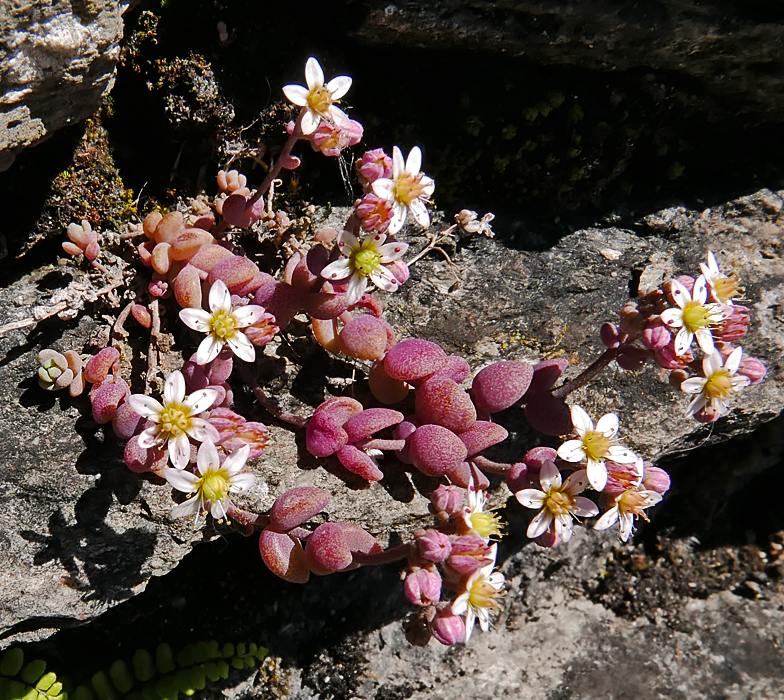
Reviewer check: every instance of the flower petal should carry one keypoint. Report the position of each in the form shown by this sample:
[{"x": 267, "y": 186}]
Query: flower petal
[
  {"x": 576, "y": 482},
  {"x": 201, "y": 400},
  {"x": 608, "y": 425},
  {"x": 348, "y": 242},
  {"x": 399, "y": 214},
  {"x": 549, "y": 476},
  {"x": 680, "y": 294},
  {"x": 240, "y": 482},
  {"x": 541, "y": 521},
  {"x": 220, "y": 298},
  {"x": 207, "y": 459},
  {"x": 597, "y": 474},
  {"x": 693, "y": 385},
  {"x": 180, "y": 451},
  {"x": 414, "y": 161},
  {"x": 531, "y": 498},
  {"x": 174, "y": 388},
  {"x": 339, "y": 86},
  {"x": 700, "y": 291},
  {"x": 242, "y": 347},
  {"x": 607, "y": 520},
  {"x": 384, "y": 188},
  {"x": 149, "y": 438},
  {"x": 581, "y": 421},
  {"x": 309, "y": 122},
  {"x": 145, "y": 406},
  {"x": 356, "y": 288},
  {"x": 398, "y": 164},
  {"x": 314, "y": 75},
  {"x": 585, "y": 507},
  {"x": 296, "y": 94},
  {"x": 338, "y": 270},
  {"x": 198, "y": 319},
  {"x": 208, "y": 350},
  {"x": 247, "y": 315},
  {"x": 622, "y": 455},
  {"x": 236, "y": 460},
  {"x": 419, "y": 211},
  {"x": 390, "y": 252},
  {"x": 572, "y": 451},
  {"x": 705, "y": 341},
  {"x": 186, "y": 508},
  {"x": 384, "y": 279},
  {"x": 672, "y": 317},
  {"x": 202, "y": 430},
  {"x": 683, "y": 341},
  {"x": 181, "y": 480}
]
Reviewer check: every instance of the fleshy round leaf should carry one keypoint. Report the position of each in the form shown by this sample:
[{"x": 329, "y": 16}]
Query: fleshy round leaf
[
  {"x": 284, "y": 556},
  {"x": 414, "y": 359},
  {"x": 435, "y": 450},
  {"x": 441, "y": 401},
  {"x": 501, "y": 385},
  {"x": 297, "y": 506},
  {"x": 327, "y": 550},
  {"x": 481, "y": 435},
  {"x": 369, "y": 421}
]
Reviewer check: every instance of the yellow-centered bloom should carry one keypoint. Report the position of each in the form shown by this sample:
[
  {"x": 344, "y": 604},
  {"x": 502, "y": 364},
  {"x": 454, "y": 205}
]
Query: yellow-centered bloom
[
  {"x": 409, "y": 190},
  {"x": 318, "y": 98},
  {"x": 720, "y": 382},
  {"x": 694, "y": 317}
]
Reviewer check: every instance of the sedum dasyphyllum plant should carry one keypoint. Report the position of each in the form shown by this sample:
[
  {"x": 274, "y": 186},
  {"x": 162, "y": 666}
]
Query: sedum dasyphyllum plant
[{"x": 193, "y": 436}]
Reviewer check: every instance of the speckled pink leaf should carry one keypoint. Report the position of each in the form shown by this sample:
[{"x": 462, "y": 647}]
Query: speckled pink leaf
[
  {"x": 284, "y": 556},
  {"x": 414, "y": 359},
  {"x": 441, "y": 401},
  {"x": 434, "y": 450},
  {"x": 296, "y": 506},
  {"x": 501, "y": 385}
]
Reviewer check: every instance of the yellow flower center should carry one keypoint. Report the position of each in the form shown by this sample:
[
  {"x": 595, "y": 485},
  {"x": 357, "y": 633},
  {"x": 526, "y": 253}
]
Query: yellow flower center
[
  {"x": 214, "y": 485},
  {"x": 596, "y": 446},
  {"x": 727, "y": 288},
  {"x": 558, "y": 502},
  {"x": 483, "y": 595},
  {"x": 696, "y": 316},
  {"x": 486, "y": 524},
  {"x": 408, "y": 187},
  {"x": 633, "y": 502},
  {"x": 223, "y": 325},
  {"x": 174, "y": 419},
  {"x": 719, "y": 384},
  {"x": 365, "y": 261},
  {"x": 319, "y": 100}
]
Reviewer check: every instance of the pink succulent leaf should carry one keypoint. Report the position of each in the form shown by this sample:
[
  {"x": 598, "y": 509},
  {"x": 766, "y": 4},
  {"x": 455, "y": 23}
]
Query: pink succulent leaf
[
  {"x": 441, "y": 401},
  {"x": 99, "y": 365},
  {"x": 323, "y": 435},
  {"x": 369, "y": 421},
  {"x": 413, "y": 359},
  {"x": 284, "y": 556},
  {"x": 434, "y": 450},
  {"x": 546, "y": 373},
  {"x": 106, "y": 401},
  {"x": 359, "y": 462},
  {"x": 548, "y": 414},
  {"x": 327, "y": 551},
  {"x": 501, "y": 385},
  {"x": 296, "y": 506},
  {"x": 481, "y": 435}
]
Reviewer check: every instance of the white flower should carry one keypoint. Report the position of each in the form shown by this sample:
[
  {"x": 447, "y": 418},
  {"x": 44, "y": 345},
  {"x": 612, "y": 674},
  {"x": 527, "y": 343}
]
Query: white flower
[
  {"x": 559, "y": 502},
  {"x": 364, "y": 259},
  {"x": 628, "y": 505},
  {"x": 718, "y": 385},
  {"x": 222, "y": 325},
  {"x": 693, "y": 317},
  {"x": 210, "y": 489},
  {"x": 595, "y": 445},
  {"x": 480, "y": 596},
  {"x": 476, "y": 520},
  {"x": 318, "y": 99},
  {"x": 174, "y": 420},
  {"x": 724, "y": 288},
  {"x": 408, "y": 190}
]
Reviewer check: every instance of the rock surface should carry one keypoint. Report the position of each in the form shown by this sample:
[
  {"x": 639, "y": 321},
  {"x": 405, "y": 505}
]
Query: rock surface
[{"x": 57, "y": 60}]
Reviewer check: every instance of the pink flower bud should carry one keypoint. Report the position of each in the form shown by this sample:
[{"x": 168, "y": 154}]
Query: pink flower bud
[
  {"x": 422, "y": 587},
  {"x": 656, "y": 336},
  {"x": 447, "y": 628},
  {"x": 655, "y": 479},
  {"x": 548, "y": 539},
  {"x": 374, "y": 212},
  {"x": 667, "y": 358},
  {"x": 447, "y": 499},
  {"x": 752, "y": 368},
  {"x": 735, "y": 324},
  {"x": 469, "y": 554},
  {"x": 373, "y": 165},
  {"x": 632, "y": 321},
  {"x": 434, "y": 546}
]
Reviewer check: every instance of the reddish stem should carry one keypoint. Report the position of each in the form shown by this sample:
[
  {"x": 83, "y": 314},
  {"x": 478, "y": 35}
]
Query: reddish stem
[
  {"x": 388, "y": 555},
  {"x": 588, "y": 374}
]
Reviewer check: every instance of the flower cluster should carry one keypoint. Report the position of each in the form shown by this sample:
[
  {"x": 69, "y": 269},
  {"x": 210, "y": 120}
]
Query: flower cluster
[{"x": 194, "y": 436}]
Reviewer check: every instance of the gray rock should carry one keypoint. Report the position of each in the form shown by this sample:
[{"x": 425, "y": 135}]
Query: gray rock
[
  {"x": 57, "y": 61},
  {"x": 728, "y": 55},
  {"x": 81, "y": 533}
]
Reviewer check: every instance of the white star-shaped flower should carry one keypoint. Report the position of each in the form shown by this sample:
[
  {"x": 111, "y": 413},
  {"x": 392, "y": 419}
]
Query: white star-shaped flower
[
  {"x": 363, "y": 259},
  {"x": 718, "y": 385},
  {"x": 480, "y": 596},
  {"x": 175, "y": 419},
  {"x": 595, "y": 445},
  {"x": 223, "y": 325},
  {"x": 210, "y": 489},
  {"x": 407, "y": 190},
  {"x": 724, "y": 288},
  {"x": 317, "y": 98},
  {"x": 693, "y": 316},
  {"x": 628, "y": 505},
  {"x": 557, "y": 502}
]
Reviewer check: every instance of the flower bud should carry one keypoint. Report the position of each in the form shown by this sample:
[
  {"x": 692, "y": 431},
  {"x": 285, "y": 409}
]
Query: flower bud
[
  {"x": 434, "y": 546},
  {"x": 752, "y": 368},
  {"x": 656, "y": 479},
  {"x": 469, "y": 554},
  {"x": 656, "y": 336},
  {"x": 422, "y": 587},
  {"x": 447, "y": 628},
  {"x": 447, "y": 499}
]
